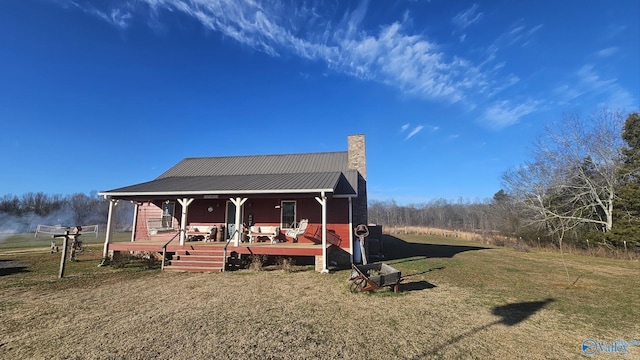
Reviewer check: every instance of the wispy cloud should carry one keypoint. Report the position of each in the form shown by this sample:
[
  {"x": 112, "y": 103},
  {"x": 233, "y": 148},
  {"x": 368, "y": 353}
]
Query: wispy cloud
[
  {"x": 586, "y": 84},
  {"x": 389, "y": 54},
  {"x": 588, "y": 76},
  {"x": 413, "y": 132},
  {"x": 119, "y": 16},
  {"x": 609, "y": 91},
  {"x": 518, "y": 34},
  {"x": 505, "y": 113},
  {"x": 607, "y": 51},
  {"x": 613, "y": 30},
  {"x": 467, "y": 17}
]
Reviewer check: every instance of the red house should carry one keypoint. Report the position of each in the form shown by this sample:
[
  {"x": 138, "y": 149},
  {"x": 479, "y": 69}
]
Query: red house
[{"x": 204, "y": 210}]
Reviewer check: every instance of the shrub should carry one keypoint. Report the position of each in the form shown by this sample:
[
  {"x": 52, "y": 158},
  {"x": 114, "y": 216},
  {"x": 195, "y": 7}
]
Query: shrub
[
  {"x": 285, "y": 264},
  {"x": 256, "y": 262}
]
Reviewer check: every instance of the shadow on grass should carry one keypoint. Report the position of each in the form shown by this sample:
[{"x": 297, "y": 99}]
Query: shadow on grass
[
  {"x": 510, "y": 315},
  {"x": 10, "y": 267},
  {"x": 513, "y": 314},
  {"x": 399, "y": 251},
  {"x": 415, "y": 286}
]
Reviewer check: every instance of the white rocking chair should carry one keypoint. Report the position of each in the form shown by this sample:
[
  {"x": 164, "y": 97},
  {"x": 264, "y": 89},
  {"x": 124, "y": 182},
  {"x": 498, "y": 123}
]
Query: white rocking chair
[{"x": 294, "y": 233}]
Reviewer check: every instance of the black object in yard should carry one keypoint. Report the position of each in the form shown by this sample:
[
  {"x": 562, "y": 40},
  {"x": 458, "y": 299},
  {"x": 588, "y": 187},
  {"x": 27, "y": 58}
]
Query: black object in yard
[
  {"x": 362, "y": 231},
  {"x": 373, "y": 276}
]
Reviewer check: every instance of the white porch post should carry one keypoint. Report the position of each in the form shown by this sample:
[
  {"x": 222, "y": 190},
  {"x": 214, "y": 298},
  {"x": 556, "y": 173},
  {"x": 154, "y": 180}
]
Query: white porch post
[
  {"x": 351, "y": 230},
  {"x": 238, "y": 202},
  {"x": 109, "y": 233},
  {"x": 184, "y": 202},
  {"x": 135, "y": 221},
  {"x": 323, "y": 201}
]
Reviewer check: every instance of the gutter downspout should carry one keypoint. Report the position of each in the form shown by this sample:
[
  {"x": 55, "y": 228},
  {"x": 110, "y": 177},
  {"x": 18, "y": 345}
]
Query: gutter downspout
[{"x": 351, "y": 229}]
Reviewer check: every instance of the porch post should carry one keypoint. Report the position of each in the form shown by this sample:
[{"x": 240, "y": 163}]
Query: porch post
[
  {"x": 135, "y": 221},
  {"x": 323, "y": 201},
  {"x": 238, "y": 202},
  {"x": 184, "y": 202},
  {"x": 351, "y": 229},
  {"x": 109, "y": 233}
]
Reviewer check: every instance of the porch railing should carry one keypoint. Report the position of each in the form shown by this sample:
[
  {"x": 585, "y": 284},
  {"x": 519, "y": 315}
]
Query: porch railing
[
  {"x": 224, "y": 253},
  {"x": 164, "y": 248}
]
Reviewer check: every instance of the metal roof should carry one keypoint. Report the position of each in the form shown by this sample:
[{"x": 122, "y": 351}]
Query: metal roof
[
  {"x": 260, "y": 164},
  {"x": 261, "y": 174}
]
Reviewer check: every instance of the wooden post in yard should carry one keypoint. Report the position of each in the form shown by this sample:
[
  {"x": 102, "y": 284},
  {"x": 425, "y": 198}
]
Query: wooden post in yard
[{"x": 65, "y": 246}]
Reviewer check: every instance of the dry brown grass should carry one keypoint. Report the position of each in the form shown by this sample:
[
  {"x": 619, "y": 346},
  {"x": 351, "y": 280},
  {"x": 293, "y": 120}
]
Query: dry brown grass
[
  {"x": 441, "y": 312},
  {"x": 425, "y": 230},
  {"x": 495, "y": 238}
]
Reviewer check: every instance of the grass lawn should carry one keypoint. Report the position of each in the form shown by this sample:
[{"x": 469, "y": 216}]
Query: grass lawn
[
  {"x": 25, "y": 242},
  {"x": 458, "y": 300}
]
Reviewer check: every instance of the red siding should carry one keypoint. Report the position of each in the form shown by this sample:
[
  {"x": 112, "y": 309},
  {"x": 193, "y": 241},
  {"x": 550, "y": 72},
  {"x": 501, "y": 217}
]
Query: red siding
[
  {"x": 150, "y": 211},
  {"x": 199, "y": 213},
  {"x": 265, "y": 211},
  {"x": 146, "y": 211}
]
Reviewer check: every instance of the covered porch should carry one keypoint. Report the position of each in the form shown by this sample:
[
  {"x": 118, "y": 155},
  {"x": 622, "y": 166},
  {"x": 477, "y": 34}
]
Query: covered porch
[
  {"x": 199, "y": 256},
  {"x": 213, "y": 227}
]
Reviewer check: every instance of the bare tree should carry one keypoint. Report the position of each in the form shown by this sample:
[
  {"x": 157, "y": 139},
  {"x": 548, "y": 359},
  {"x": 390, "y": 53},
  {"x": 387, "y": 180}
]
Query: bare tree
[{"x": 572, "y": 176}]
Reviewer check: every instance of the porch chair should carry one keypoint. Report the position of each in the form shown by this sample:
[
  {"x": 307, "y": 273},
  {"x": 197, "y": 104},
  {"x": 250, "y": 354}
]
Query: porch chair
[{"x": 294, "y": 233}]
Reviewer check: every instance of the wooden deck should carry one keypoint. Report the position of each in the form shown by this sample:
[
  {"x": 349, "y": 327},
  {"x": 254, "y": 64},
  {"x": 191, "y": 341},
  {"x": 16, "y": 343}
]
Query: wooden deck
[{"x": 265, "y": 248}]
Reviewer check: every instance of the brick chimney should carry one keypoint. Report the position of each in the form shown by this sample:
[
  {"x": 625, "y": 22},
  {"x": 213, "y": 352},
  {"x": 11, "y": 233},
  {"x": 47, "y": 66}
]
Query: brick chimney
[
  {"x": 357, "y": 156},
  {"x": 358, "y": 161}
]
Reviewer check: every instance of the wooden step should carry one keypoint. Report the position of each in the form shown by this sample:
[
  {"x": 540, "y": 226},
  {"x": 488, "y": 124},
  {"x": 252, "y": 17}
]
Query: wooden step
[
  {"x": 199, "y": 257},
  {"x": 206, "y": 247},
  {"x": 197, "y": 260},
  {"x": 197, "y": 263},
  {"x": 199, "y": 269},
  {"x": 200, "y": 252}
]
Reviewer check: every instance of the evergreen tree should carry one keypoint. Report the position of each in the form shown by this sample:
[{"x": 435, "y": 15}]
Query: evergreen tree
[{"x": 627, "y": 207}]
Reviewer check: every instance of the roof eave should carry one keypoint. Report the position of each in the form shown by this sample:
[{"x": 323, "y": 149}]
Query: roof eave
[
  {"x": 344, "y": 196},
  {"x": 212, "y": 192}
]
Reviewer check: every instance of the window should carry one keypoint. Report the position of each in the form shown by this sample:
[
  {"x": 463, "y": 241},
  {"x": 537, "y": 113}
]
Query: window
[
  {"x": 168, "y": 210},
  {"x": 288, "y": 215}
]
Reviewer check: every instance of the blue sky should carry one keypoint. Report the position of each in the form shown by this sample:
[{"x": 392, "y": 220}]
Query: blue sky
[{"x": 95, "y": 95}]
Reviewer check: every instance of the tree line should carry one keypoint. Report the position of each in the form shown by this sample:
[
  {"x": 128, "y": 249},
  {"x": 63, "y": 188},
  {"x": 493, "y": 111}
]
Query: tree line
[
  {"x": 25, "y": 212},
  {"x": 440, "y": 213},
  {"x": 582, "y": 182}
]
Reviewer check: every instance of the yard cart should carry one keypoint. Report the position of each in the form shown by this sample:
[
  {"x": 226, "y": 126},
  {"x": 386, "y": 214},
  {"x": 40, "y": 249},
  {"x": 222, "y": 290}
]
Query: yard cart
[{"x": 373, "y": 276}]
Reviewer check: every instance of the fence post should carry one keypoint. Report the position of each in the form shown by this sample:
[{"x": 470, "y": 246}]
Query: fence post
[
  {"x": 625, "y": 249},
  {"x": 589, "y": 247}
]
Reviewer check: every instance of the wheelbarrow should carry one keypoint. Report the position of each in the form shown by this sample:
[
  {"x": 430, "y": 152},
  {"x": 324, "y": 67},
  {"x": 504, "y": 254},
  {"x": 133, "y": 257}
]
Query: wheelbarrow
[{"x": 374, "y": 276}]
